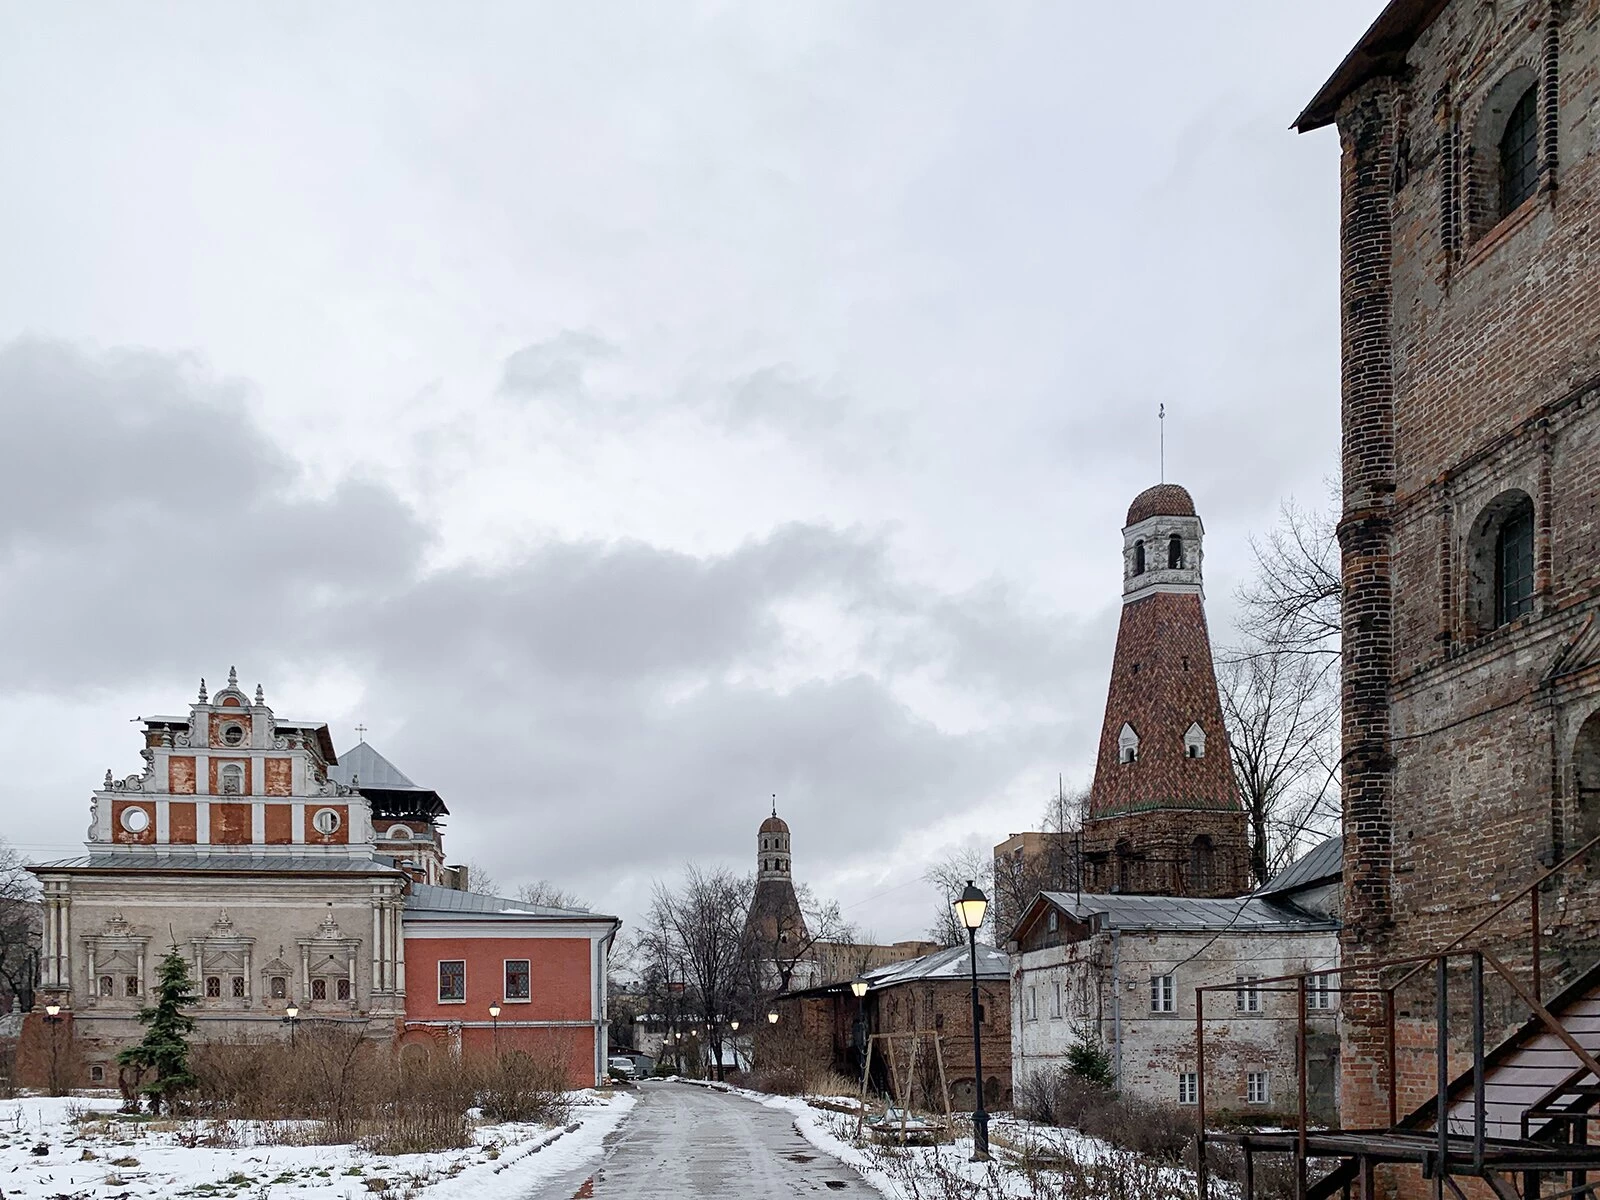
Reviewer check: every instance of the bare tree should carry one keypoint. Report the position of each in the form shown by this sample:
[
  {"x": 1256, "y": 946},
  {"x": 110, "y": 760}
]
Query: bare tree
[
  {"x": 1291, "y": 603},
  {"x": 949, "y": 876},
  {"x": 19, "y": 930},
  {"x": 1280, "y": 689},
  {"x": 1282, "y": 727},
  {"x": 1053, "y": 866},
  {"x": 780, "y": 942},
  {"x": 695, "y": 934},
  {"x": 541, "y": 893}
]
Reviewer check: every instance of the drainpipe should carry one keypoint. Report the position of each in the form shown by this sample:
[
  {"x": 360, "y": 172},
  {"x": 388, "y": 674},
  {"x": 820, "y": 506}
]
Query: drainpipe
[{"x": 1116, "y": 1007}]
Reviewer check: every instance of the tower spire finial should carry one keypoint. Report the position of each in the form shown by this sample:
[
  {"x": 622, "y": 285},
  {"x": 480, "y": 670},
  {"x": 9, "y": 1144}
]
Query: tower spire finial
[
  {"x": 233, "y": 678},
  {"x": 202, "y": 689},
  {"x": 774, "y": 803},
  {"x": 1161, "y": 420}
]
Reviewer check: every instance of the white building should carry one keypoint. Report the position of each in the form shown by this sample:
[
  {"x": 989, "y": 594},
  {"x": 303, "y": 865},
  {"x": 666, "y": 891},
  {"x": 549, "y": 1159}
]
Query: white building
[{"x": 1121, "y": 972}]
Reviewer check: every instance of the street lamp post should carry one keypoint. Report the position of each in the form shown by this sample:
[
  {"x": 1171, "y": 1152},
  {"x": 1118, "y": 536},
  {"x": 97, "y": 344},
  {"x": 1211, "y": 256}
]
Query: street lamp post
[
  {"x": 494, "y": 1017},
  {"x": 970, "y": 908},
  {"x": 52, "y": 1018},
  {"x": 291, "y": 1018}
]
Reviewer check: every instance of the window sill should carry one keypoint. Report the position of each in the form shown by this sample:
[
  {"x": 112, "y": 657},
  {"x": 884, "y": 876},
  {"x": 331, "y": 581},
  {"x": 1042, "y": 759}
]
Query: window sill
[
  {"x": 443, "y": 1001},
  {"x": 1505, "y": 228}
]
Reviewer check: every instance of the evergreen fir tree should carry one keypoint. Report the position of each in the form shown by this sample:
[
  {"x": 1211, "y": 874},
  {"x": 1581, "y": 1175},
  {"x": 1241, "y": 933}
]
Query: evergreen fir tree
[{"x": 165, "y": 1048}]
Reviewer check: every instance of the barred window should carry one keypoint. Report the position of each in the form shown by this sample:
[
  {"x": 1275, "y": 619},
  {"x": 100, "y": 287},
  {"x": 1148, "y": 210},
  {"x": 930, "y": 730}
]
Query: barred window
[
  {"x": 238, "y": 987},
  {"x": 344, "y": 989},
  {"x": 130, "y": 986},
  {"x": 1514, "y": 566},
  {"x": 213, "y": 987},
  {"x": 517, "y": 979},
  {"x": 1519, "y": 153},
  {"x": 453, "y": 981},
  {"x": 319, "y": 989}
]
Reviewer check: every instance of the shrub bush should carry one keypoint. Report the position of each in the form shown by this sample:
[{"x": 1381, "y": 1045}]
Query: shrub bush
[{"x": 1064, "y": 1098}]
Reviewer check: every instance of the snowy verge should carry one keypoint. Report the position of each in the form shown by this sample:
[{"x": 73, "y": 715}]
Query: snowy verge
[{"x": 54, "y": 1148}]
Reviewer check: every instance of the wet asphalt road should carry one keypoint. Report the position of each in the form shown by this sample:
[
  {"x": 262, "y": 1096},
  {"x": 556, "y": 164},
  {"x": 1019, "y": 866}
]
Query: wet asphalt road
[{"x": 682, "y": 1142}]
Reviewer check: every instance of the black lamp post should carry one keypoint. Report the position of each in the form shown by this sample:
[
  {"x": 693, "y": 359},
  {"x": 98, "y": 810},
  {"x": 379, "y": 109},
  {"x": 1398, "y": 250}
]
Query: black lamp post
[
  {"x": 53, "y": 1018},
  {"x": 291, "y": 1018},
  {"x": 494, "y": 1017},
  {"x": 970, "y": 908}
]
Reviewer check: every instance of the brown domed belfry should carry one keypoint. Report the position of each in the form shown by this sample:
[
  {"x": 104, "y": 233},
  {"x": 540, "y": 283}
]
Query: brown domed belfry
[{"x": 1164, "y": 813}]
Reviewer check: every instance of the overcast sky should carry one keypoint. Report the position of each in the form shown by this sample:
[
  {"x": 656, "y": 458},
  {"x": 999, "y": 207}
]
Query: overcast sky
[{"x": 627, "y": 412}]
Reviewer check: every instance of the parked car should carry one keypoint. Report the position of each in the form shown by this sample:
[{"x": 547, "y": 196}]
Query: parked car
[{"x": 621, "y": 1064}]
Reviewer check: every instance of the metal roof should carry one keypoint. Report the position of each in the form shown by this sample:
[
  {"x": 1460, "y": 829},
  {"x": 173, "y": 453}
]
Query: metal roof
[
  {"x": 1183, "y": 913},
  {"x": 425, "y": 897},
  {"x": 1323, "y": 863},
  {"x": 363, "y": 766},
  {"x": 951, "y": 963},
  {"x": 125, "y": 860}
]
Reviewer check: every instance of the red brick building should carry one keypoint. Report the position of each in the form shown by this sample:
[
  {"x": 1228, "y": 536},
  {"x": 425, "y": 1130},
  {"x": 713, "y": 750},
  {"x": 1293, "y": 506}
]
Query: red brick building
[
  {"x": 1164, "y": 813},
  {"x": 1470, "y": 300}
]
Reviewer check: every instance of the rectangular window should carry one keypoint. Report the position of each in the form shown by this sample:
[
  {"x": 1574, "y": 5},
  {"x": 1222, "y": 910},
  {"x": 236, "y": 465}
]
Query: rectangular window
[
  {"x": 238, "y": 987},
  {"x": 1255, "y": 1088},
  {"x": 213, "y": 987},
  {"x": 105, "y": 985},
  {"x": 1055, "y": 1000},
  {"x": 97, "y": 1073},
  {"x": 130, "y": 986},
  {"x": 1033, "y": 1004},
  {"x": 1247, "y": 997},
  {"x": 319, "y": 989},
  {"x": 278, "y": 987},
  {"x": 453, "y": 981},
  {"x": 1163, "y": 994},
  {"x": 1188, "y": 1088},
  {"x": 517, "y": 979},
  {"x": 1321, "y": 990},
  {"x": 344, "y": 989}
]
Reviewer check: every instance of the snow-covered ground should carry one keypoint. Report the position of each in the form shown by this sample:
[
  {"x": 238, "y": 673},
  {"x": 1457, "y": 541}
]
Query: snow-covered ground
[{"x": 90, "y": 1154}]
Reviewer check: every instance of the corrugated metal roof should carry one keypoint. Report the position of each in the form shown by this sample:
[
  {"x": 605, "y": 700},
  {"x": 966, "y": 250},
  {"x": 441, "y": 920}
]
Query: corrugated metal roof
[
  {"x": 329, "y": 864},
  {"x": 425, "y": 897},
  {"x": 369, "y": 769},
  {"x": 951, "y": 963},
  {"x": 1323, "y": 863},
  {"x": 1183, "y": 913}
]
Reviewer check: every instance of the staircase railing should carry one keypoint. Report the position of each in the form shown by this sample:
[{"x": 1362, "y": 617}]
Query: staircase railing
[{"x": 1479, "y": 958}]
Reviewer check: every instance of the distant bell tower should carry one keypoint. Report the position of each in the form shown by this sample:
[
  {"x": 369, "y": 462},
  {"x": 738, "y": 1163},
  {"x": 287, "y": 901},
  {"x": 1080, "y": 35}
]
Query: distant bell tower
[
  {"x": 1164, "y": 811},
  {"x": 776, "y": 925}
]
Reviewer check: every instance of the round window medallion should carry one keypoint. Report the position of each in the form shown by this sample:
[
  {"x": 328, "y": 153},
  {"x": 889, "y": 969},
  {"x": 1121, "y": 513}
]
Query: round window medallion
[
  {"x": 325, "y": 821},
  {"x": 232, "y": 735},
  {"x": 135, "y": 820}
]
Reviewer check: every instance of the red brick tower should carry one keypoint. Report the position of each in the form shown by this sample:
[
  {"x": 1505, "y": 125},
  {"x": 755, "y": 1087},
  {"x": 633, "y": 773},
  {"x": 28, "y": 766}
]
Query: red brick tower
[{"x": 1164, "y": 813}]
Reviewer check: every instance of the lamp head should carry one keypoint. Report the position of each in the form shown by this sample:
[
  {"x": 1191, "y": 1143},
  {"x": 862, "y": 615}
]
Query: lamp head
[
  {"x": 52, "y": 1010},
  {"x": 494, "y": 1010},
  {"x": 772, "y": 1017},
  {"x": 292, "y": 1011},
  {"x": 971, "y": 906},
  {"x": 858, "y": 987},
  {"x": 734, "y": 1024}
]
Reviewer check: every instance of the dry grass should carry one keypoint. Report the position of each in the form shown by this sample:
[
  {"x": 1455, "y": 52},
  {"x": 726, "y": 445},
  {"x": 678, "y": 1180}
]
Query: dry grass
[{"x": 334, "y": 1087}]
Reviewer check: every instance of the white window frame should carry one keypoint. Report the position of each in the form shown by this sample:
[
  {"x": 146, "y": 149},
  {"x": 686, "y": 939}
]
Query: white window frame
[
  {"x": 1055, "y": 1000},
  {"x": 1127, "y": 744},
  {"x": 334, "y": 822},
  {"x": 1188, "y": 1087},
  {"x": 1247, "y": 995},
  {"x": 440, "y": 981},
  {"x": 1257, "y": 1088},
  {"x": 1322, "y": 991},
  {"x": 505, "y": 981},
  {"x": 1163, "y": 993},
  {"x": 1194, "y": 741},
  {"x": 1033, "y": 1003}
]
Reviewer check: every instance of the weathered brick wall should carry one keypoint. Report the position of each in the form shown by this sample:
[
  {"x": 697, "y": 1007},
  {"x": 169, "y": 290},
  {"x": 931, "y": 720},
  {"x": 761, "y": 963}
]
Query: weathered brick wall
[{"x": 1471, "y": 367}]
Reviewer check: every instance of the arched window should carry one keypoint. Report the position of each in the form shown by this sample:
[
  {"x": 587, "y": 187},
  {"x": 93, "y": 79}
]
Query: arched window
[
  {"x": 1202, "y": 864},
  {"x": 1194, "y": 741},
  {"x": 1127, "y": 744},
  {"x": 1174, "y": 553},
  {"x": 1513, "y": 564},
  {"x": 1138, "y": 558},
  {"x": 1500, "y": 558},
  {"x": 232, "y": 778},
  {"x": 1519, "y": 153}
]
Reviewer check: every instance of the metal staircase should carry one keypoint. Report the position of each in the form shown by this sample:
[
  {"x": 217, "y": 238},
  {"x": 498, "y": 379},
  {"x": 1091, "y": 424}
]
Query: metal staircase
[{"x": 1521, "y": 1118}]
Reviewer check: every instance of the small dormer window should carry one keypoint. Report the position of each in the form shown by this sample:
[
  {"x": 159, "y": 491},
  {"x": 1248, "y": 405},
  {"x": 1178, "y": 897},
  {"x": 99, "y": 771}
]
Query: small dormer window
[
  {"x": 1175, "y": 553},
  {"x": 1127, "y": 745},
  {"x": 1138, "y": 558},
  {"x": 1194, "y": 742},
  {"x": 232, "y": 779}
]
